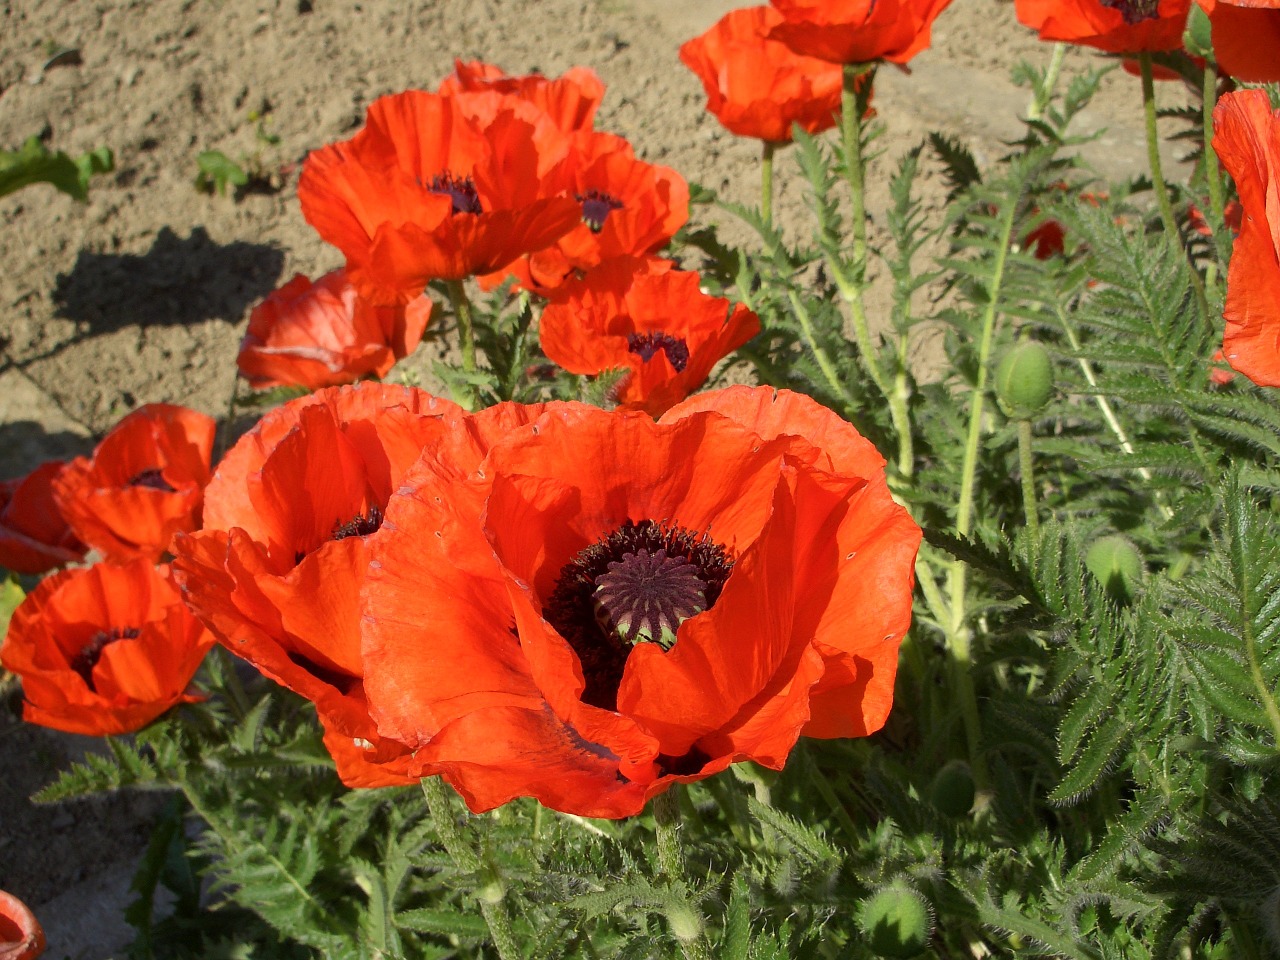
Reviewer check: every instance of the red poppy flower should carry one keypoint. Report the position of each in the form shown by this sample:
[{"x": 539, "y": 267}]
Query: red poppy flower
[
  {"x": 570, "y": 100},
  {"x": 33, "y": 535},
  {"x": 645, "y": 317},
  {"x": 1247, "y": 139},
  {"x": 21, "y": 936},
  {"x": 323, "y": 334},
  {"x": 1117, "y": 26},
  {"x": 628, "y": 208},
  {"x": 593, "y": 607},
  {"x": 426, "y": 191},
  {"x": 104, "y": 649},
  {"x": 276, "y": 570},
  {"x": 759, "y": 87},
  {"x": 857, "y": 31},
  {"x": 1232, "y": 214},
  {"x": 1246, "y": 38},
  {"x": 144, "y": 482}
]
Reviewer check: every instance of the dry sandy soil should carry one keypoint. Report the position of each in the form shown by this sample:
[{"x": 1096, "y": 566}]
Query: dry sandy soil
[{"x": 141, "y": 294}]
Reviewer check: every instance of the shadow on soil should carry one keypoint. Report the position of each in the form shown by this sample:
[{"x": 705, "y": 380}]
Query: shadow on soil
[{"x": 25, "y": 443}]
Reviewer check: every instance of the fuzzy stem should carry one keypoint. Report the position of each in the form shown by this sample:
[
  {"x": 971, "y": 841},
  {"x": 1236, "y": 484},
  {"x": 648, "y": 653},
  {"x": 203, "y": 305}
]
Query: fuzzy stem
[
  {"x": 465, "y": 858},
  {"x": 1040, "y": 98},
  {"x": 466, "y": 334},
  {"x": 666, "y": 816},
  {"x": 1025, "y": 468},
  {"x": 766, "y": 181},
  {"x": 852, "y": 106},
  {"x": 1212, "y": 173}
]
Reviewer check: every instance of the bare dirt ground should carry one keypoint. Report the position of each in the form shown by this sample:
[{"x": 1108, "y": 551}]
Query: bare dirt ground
[{"x": 142, "y": 294}]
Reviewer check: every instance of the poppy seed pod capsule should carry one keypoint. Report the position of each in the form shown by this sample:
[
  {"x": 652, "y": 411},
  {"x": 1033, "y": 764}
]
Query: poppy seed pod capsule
[
  {"x": 897, "y": 921},
  {"x": 1024, "y": 380},
  {"x": 1117, "y": 564},
  {"x": 952, "y": 790}
]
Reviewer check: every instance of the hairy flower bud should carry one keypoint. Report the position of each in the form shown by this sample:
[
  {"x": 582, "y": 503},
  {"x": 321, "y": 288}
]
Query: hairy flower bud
[
  {"x": 952, "y": 791},
  {"x": 897, "y": 921},
  {"x": 1117, "y": 564},
  {"x": 1024, "y": 380}
]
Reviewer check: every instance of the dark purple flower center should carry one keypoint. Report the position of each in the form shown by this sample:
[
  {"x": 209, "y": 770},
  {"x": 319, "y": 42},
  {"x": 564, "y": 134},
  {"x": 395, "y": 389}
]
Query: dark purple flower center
[
  {"x": 152, "y": 478},
  {"x": 1134, "y": 11},
  {"x": 636, "y": 585},
  {"x": 89, "y": 655},
  {"x": 645, "y": 345},
  {"x": 461, "y": 190},
  {"x": 596, "y": 207},
  {"x": 361, "y": 525}
]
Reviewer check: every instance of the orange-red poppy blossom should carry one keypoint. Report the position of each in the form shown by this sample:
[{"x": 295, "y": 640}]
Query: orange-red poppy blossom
[
  {"x": 570, "y": 100},
  {"x": 430, "y": 189},
  {"x": 1116, "y": 26},
  {"x": 144, "y": 482},
  {"x": 1247, "y": 139},
  {"x": 104, "y": 649},
  {"x": 857, "y": 31},
  {"x": 324, "y": 334},
  {"x": 21, "y": 936},
  {"x": 1246, "y": 38},
  {"x": 628, "y": 208},
  {"x": 594, "y": 606},
  {"x": 643, "y": 316},
  {"x": 276, "y": 570},
  {"x": 757, "y": 87},
  {"x": 33, "y": 535}
]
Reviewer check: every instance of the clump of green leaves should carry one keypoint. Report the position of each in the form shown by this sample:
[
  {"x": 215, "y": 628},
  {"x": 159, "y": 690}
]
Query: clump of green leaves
[{"x": 33, "y": 163}]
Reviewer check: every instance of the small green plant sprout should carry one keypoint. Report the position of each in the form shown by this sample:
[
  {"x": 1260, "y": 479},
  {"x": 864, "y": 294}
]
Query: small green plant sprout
[
  {"x": 217, "y": 171},
  {"x": 253, "y": 172},
  {"x": 35, "y": 163}
]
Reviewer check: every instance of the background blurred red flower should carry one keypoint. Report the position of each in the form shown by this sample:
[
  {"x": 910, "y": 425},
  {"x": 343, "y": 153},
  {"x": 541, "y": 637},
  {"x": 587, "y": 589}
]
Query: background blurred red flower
[
  {"x": 323, "y": 334},
  {"x": 425, "y": 192},
  {"x": 759, "y": 87},
  {"x": 1246, "y": 38},
  {"x": 857, "y": 31},
  {"x": 104, "y": 649},
  {"x": 276, "y": 570},
  {"x": 21, "y": 936},
  {"x": 604, "y": 605},
  {"x": 1117, "y": 26},
  {"x": 570, "y": 100},
  {"x": 144, "y": 482},
  {"x": 1247, "y": 139},
  {"x": 34, "y": 537},
  {"x": 643, "y": 316}
]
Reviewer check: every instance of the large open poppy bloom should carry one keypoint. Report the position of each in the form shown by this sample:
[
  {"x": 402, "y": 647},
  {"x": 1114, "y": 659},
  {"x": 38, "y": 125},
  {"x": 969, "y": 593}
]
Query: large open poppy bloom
[
  {"x": 1116, "y": 26},
  {"x": 628, "y": 208},
  {"x": 570, "y": 100},
  {"x": 595, "y": 606},
  {"x": 144, "y": 482},
  {"x": 1247, "y": 139},
  {"x": 1246, "y": 38},
  {"x": 33, "y": 535},
  {"x": 104, "y": 649},
  {"x": 857, "y": 31},
  {"x": 323, "y": 334},
  {"x": 757, "y": 87},
  {"x": 642, "y": 316},
  {"x": 431, "y": 189},
  {"x": 276, "y": 570}
]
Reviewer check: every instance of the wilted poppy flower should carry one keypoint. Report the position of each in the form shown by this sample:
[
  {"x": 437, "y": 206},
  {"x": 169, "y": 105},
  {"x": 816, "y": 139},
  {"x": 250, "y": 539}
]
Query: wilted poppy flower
[
  {"x": 1117, "y": 26},
  {"x": 426, "y": 191},
  {"x": 628, "y": 208},
  {"x": 276, "y": 570},
  {"x": 759, "y": 87},
  {"x": 595, "y": 606},
  {"x": 857, "y": 31},
  {"x": 323, "y": 334},
  {"x": 1246, "y": 38},
  {"x": 144, "y": 482},
  {"x": 21, "y": 936},
  {"x": 104, "y": 649},
  {"x": 570, "y": 100},
  {"x": 642, "y": 316},
  {"x": 1247, "y": 139},
  {"x": 33, "y": 535}
]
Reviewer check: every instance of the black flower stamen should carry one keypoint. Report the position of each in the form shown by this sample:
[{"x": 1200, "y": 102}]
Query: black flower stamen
[
  {"x": 1134, "y": 11},
  {"x": 645, "y": 345},
  {"x": 89, "y": 655},
  {"x": 638, "y": 584},
  {"x": 461, "y": 190},
  {"x": 596, "y": 207},
  {"x": 153, "y": 479},
  {"x": 361, "y": 525}
]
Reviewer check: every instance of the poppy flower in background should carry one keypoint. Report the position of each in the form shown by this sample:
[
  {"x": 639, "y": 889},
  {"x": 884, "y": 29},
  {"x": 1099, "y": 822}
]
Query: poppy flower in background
[
  {"x": 1116, "y": 26},
  {"x": 144, "y": 482},
  {"x": 1247, "y": 139},
  {"x": 426, "y": 192},
  {"x": 324, "y": 334},
  {"x": 628, "y": 208},
  {"x": 104, "y": 649},
  {"x": 1246, "y": 38},
  {"x": 33, "y": 535},
  {"x": 857, "y": 31},
  {"x": 570, "y": 100},
  {"x": 596, "y": 606},
  {"x": 646, "y": 317},
  {"x": 275, "y": 571},
  {"x": 757, "y": 87},
  {"x": 21, "y": 936}
]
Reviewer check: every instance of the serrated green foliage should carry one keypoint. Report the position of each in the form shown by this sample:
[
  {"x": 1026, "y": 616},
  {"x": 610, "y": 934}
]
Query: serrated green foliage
[{"x": 35, "y": 163}]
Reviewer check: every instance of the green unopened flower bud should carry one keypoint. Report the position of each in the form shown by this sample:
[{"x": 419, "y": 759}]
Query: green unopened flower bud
[
  {"x": 1024, "y": 380},
  {"x": 952, "y": 791},
  {"x": 686, "y": 925},
  {"x": 897, "y": 922},
  {"x": 1117, "y": 564},
  {"x": 492, "y": 892}
]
